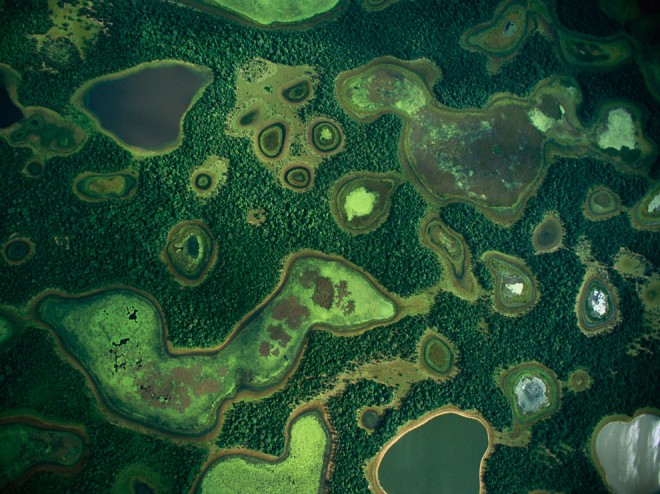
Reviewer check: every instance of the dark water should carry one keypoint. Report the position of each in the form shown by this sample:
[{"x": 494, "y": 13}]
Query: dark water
[
  {"x": 9, "y": 112},
  {"x": 141, "y": 488},
  {"x": 440, "y": 457},
  {"x": 144, "y": 108}
]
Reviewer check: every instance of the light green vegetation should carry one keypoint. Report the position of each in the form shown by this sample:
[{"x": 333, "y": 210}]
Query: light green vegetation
[
  {"x": 532, "y": 391},
  {"x": 17, "y": 250},
  {"x": 631, "y": 264},
  {"x": 548, "y": 234},
  {"x": 99, "y": 187},
  {"x": 28, "y": 444},
  {"x": 597, "y": 304},
  {"x": 264, "y": 13},
  {"x": 190, "y": 252},
  {"x": 270, "y": 99},
  {"x": 579, "y": 381},
  {"x": 361, "y": 200},
  {"x": 386, "y": 85},
  {"x": 71, "y": 30},
  {"x": 645, "y": 215},
  {"x": 601, "y": 204},
  {"x": 207, "y": 179},
  {"x": 454, "y": 255},
  {"x": 118, "y": 337},
  {"x": 494, "y": 157},
  {"x": 299, "y": 471},
  {"x": 618, "y": 132},
  {"x": 589, "y": 52},
  {"x": 516, "y": 290}
]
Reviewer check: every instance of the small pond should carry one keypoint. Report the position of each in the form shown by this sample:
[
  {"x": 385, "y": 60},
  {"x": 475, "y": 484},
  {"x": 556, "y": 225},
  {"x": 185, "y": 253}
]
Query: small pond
[{"x": 442, "y": 456}]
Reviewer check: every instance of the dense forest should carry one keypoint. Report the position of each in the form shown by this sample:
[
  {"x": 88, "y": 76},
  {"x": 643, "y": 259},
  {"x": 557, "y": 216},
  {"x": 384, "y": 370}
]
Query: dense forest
[{"x": 120, "y": 242}]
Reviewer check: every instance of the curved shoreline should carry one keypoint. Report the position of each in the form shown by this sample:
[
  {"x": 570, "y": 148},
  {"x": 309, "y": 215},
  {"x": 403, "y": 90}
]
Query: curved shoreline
[
  {"x": 215, "y": 424},
  {"x": 38, "y": 422},
  {"x": 78, "y": 101},
  {"x": 602, "y": 423},
  {"x": 371, "y": 468}
]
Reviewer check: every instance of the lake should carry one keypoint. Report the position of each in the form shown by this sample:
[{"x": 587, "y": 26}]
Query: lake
[
  {"x": 144, "y": 108},
  {"x": 629, "y": 453},
  {"x": 442, "y": 456}
]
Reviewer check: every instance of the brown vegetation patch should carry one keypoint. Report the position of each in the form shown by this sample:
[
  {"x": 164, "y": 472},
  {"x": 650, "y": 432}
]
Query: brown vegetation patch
[
  {"x": 325, "y": 293},
  {"x": 278, "y": 334},
  {"x": 308, "y": 277},
  {"x": 264, "y": 349},
  {"x": 291, "y": 310}
]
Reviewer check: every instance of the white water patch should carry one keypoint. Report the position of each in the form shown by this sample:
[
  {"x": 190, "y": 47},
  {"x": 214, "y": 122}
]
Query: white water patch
[
  {"x": 531, "y": 394},
  {"x": 630, "y": 454},
  {"x": 359, "y": 202},
  {"x": 619, "y": 131},
  {"x": 515, "y": 288},
  {"x": 654, "y": 204},
  {"x": 540, "y": 120},
  {"x": 598, "y": 301}
]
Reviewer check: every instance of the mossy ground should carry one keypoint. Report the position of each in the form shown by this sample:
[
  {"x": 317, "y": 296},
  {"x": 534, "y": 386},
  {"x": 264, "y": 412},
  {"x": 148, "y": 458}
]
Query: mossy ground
[{"x": 299, "y": 471}]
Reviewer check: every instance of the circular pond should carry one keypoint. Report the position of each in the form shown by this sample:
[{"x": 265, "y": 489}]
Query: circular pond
[{"x": 443, "y": 454}]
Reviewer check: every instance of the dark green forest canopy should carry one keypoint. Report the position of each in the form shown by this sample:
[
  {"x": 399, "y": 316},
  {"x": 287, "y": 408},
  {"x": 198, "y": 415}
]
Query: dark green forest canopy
[{"x": 81, "y": 246}]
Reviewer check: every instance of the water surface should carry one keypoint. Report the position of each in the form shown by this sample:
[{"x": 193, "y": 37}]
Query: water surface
[
  {"x": 144, "y": 108},
  {"x": 629, "y": 453},
  {"x": 442, "y": 456}
]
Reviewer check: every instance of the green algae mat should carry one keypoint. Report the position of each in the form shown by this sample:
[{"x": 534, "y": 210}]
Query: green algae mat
[{"x": 118, "y": 336}]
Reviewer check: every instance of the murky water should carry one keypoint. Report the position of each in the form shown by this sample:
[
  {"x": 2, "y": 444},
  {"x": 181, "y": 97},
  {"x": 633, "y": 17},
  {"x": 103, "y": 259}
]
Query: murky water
[
  {"x": 144, "y": 108},
  {"x": 440, "y": 457}
]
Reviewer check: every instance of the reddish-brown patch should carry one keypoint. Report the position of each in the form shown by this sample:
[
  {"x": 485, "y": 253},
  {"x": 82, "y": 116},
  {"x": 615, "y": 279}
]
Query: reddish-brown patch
[
  {"x": 223, "y": 371},
  {"x": 325, "y": 293},
  {"x": 207, "y": 386},
  {"x": 291, "y": 310},
  {"x": 278, "y": 334},
  {"x": 264, "y": 349},
  {"x": 308, "y": 277},
  {"x": 276, "y": 352}
]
